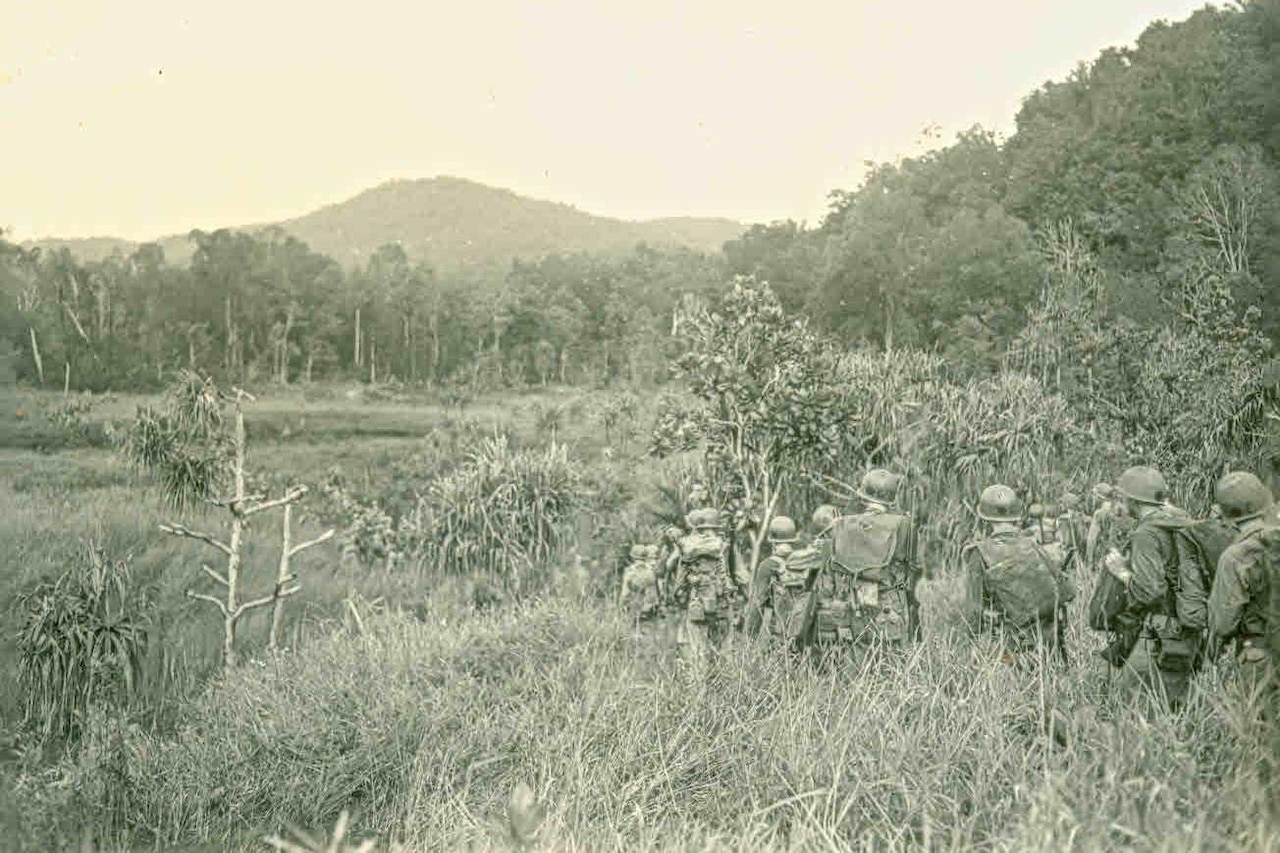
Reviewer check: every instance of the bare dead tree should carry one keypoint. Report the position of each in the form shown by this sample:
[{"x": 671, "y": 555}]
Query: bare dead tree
[{"x": 242, "y": 507}]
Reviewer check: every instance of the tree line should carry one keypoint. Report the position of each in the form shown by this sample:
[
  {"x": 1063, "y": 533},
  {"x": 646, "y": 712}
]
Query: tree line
[{"x": 1134, "y": 207}]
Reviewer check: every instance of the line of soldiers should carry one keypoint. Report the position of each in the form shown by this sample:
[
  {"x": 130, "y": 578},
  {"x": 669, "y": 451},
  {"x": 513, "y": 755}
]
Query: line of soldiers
[{"x": 1174, "y": 591}]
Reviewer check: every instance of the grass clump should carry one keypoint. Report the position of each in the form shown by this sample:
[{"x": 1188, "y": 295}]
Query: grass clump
[{"x": 422, "y": 728}]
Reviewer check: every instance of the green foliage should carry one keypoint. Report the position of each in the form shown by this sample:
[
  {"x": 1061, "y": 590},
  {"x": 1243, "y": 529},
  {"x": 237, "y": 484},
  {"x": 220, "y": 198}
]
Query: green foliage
[
  {"x": 767, "y": 409},
  {"x": 500, "y": 511},
  {"x": 81, "y": 644},
  {"x": 421, "y": 729},
  {"x": 186, "y": 444}
]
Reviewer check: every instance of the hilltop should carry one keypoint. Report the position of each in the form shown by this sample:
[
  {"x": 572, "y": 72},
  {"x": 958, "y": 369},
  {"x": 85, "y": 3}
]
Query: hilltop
[{"x": 455, "y": 224}]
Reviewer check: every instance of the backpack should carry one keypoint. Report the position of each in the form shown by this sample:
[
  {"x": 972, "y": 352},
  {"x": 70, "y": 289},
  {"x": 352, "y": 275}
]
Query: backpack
[
  {"x": 1200, "y": 546},
  {"x": 803, "y": 565},
  {"x": 1270, "y": 610},
  {"x": 1021, "y": 579},
  {"x": 866, "y": 543}
]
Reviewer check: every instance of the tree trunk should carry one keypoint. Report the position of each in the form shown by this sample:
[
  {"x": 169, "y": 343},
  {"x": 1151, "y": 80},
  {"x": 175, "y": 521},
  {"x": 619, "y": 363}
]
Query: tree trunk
[
  {"x": 282, "y": 577},
  {"x": 35, "y": 354},
  {"x": 435, "y": 344},
  {"x": 232, "y": 614},
  {"x": 358, "y": 362}
]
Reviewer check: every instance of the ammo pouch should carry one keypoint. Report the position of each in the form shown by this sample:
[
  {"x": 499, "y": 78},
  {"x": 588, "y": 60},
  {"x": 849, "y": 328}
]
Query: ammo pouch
[
  {"x": 833, "y": 621},
  {"x": 1177, "y": 649}
]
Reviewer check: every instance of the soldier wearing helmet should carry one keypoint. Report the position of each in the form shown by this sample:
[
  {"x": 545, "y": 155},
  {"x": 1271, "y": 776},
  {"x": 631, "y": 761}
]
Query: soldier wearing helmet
[
  {"x": 640, "y": 593},
  {"x": 1161, "y": 651},
  {"x": 865, "y": 592},
  {"x": 703, "y": 587},
  {"x": 1244, "y": 604},
  {"x": 1013, "y": 587},
  {"x": 779, "y": 587}
]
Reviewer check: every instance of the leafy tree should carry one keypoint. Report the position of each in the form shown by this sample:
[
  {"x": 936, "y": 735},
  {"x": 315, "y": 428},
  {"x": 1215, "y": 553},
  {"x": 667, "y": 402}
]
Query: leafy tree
[{"x": 767, "y": 408}]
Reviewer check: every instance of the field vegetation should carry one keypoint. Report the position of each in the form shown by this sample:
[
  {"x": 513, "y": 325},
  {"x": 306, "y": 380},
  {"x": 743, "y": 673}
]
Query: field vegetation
[{"x": 451, "y": 671}]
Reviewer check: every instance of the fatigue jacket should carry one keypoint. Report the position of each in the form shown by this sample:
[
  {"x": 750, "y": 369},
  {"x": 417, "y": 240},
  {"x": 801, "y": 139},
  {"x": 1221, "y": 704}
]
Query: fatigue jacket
[{"x": 1237, "y": 603}]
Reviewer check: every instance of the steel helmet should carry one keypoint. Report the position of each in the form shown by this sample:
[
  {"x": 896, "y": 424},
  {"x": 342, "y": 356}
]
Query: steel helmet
[
  {"x": 782, "y": 529},
  {"x": 999, "y": 503},
  {"x": 639, "y": 552},
  {"x": 1242, "y": 496},
  {"x": 879, "y": 486},
  {"x": 651, "y": 551},
  {"x": 823, "y": 517},
  {"x": 1036, "y": 510},
  {"x": 1143, "y": 484},
  {"x": 704, "y": 519}
]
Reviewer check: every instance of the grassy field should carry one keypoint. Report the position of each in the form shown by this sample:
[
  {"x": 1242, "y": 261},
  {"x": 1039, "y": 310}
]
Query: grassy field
[{"x": 399, "y": 702}]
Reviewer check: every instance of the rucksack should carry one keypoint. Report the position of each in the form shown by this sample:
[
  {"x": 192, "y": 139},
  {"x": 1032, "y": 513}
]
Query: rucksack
[
  {"x": 1020, "y": 579},
  {"x": 800, "y": 567},
  {"x": 865, "y": 543},
  {"x": 1200, "y": 546},
  {"x": 1270, "y": 538}
]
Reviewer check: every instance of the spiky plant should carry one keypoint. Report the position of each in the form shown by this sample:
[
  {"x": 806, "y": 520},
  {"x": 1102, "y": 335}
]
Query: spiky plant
[{"x": 81, "y": 644}]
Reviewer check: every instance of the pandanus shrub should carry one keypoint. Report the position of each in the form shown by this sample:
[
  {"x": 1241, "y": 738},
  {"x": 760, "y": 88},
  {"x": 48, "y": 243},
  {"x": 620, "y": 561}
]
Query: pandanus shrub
[
  {"x": 81, "y": 644},
  {"x": 502, "y": 511}
]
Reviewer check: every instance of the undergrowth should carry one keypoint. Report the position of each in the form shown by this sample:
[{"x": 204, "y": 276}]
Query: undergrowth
[{"x": 421, "y": 726}]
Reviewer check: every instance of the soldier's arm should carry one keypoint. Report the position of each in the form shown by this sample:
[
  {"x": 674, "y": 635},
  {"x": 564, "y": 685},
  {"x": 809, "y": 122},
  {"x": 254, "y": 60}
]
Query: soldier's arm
[
  {"x": 1147, "y": 588},
  {"x": 1228, "y": 597}
]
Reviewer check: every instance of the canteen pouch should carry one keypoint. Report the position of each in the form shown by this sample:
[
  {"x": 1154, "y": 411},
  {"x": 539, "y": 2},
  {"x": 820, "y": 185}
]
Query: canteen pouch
[{"x": 1177, "y": 650}]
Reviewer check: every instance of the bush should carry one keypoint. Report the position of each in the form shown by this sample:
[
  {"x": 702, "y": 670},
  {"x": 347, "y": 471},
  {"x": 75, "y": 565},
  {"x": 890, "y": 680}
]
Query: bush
[
  {"x": 422, "y": 728},
  {"x": 81, "y": 645}
]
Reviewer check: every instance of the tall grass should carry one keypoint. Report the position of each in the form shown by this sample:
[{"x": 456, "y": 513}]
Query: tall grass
[{"x": 422, "y": 728}]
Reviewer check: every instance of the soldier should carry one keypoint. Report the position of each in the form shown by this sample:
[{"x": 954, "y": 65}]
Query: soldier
[
  {"x": 640, "y": 594},
  {"x": 1014, "y": 588},
  {"x": 1151, "y": 644},
  {"x": 1244, "y": 604},
  {"x": 866, "y": 591},
  {"x": 703, "y": 587},
  {"x": 775, "y": 587}
]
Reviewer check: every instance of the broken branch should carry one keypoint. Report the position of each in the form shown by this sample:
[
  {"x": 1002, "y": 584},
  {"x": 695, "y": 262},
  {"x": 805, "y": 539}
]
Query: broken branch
[
  {"x": 302, "y": 546},
  {"x": 215, "y": 575},
  {"x": 293, "y": 496},
  {"x": 209, "y": 598},
  {"x": 186, "y": 532}
]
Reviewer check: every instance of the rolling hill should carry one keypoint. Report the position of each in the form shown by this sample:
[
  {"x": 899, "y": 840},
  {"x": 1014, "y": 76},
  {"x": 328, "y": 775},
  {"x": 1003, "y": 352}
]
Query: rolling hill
[{"x": 457, "y": 225}]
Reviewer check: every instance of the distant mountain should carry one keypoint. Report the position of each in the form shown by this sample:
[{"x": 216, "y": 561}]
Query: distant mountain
[{"x": 456, "y": 225}]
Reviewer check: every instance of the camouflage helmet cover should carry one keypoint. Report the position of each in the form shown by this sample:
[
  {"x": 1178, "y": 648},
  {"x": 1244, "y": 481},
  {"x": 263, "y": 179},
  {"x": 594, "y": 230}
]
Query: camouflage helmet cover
[
  {"x": 639, "y": 552},
  {"x": 1242, "y": 496},
  {"x": 782, "y": 529},
  {"x": 879, "y": 486},
  {"x": 1143, "y": 484},
  {"x": 704, "y": 519},
  {"x": 999, "y": 503},
  {"x": 823, "y": 517}
]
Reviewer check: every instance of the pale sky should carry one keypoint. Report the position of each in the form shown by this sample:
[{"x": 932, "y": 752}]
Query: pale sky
[{"x": 139, "y": 119}]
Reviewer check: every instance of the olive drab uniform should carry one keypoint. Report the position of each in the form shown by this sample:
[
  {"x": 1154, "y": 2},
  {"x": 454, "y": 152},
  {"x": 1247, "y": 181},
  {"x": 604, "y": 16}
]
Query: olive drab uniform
[
  {"x": 1167, "y": 651},
  {"x": 1016, "y": 590},
  {"x": 782, "y": 586},
  {"x": 703, "y": 587},
  {"x": 866, "y": 590},
  {"x": 1244, "y": 604}
]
